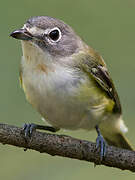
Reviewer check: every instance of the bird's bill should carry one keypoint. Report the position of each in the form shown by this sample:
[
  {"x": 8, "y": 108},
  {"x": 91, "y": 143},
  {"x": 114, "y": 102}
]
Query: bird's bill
[{"x": 21, "y": 34}]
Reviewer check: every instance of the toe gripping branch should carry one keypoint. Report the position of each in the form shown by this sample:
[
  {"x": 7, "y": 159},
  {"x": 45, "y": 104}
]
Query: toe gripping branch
[
  {"x": 28, "y": 129},
  {"x": 100, "y": 143}
]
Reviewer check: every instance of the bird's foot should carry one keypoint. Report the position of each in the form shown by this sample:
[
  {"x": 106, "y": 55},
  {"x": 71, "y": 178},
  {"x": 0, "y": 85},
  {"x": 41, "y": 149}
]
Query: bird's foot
[
  {"x": 101, "y": 143},
  {"x": 29, "y": 128}
]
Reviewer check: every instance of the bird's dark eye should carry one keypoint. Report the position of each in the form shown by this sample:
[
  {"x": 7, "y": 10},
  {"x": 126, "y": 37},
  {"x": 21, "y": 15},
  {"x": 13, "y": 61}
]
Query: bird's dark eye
[{"x": 54, "y": 35}]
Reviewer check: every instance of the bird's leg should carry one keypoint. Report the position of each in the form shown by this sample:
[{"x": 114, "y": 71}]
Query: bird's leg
[
  {"x": 100, "y": 143},
  {"x": 28, "y": 129}
]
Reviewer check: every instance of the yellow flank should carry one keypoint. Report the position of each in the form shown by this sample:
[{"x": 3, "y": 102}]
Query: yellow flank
[
  {"x": 20, "y": 78},
  {"x": 27, "y": 95},
  {"x": 21, "y": 82},
  {"x": 110, "y": 105},
  {"x": 95, "y": 97}
]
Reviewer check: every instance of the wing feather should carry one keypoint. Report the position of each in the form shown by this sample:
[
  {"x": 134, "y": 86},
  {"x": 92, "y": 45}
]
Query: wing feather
[
  {"x": 94, "y": 65},
  {"x": 102, "y": 77}
]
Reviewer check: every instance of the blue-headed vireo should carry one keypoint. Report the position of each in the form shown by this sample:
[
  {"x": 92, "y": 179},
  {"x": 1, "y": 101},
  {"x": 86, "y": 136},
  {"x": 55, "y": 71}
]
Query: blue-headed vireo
[{"x": 68, "y": 83}]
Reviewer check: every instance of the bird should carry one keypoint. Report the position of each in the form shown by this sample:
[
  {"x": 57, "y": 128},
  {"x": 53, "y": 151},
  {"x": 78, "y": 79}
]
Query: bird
[{"x": 68, "y": 83}]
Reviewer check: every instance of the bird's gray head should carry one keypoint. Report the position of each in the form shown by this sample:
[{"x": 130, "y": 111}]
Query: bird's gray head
[{"x": 50, "y": 35}]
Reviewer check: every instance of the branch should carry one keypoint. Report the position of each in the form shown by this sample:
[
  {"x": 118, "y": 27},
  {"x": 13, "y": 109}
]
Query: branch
[{"x": 67, "y": 146}]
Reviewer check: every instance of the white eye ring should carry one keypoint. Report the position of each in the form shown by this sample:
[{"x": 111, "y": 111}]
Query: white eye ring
[{"x": 55, "y": 33}]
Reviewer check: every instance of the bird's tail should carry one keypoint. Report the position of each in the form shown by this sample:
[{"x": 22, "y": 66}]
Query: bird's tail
[
  {"x": 119, "y": 140},
  {"x": 114, "y": 134}
]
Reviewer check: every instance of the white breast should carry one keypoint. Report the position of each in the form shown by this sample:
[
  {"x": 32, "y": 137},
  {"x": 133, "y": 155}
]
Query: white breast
[{"x": 53, "y": 95}]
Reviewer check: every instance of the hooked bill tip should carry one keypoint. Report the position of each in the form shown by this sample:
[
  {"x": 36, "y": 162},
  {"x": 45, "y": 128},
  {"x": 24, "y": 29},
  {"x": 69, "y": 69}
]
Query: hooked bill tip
[{"x": 21, "y": 34}]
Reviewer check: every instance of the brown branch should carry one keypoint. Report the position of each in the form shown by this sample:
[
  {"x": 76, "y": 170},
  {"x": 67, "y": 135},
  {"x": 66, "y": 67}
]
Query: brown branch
[{"x": 67, "y": 146}]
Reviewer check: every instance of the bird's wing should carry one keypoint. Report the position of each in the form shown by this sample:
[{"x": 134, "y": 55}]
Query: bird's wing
[
  {"x": 95, "y": 66},
  {"x": 102, "y": 77}
]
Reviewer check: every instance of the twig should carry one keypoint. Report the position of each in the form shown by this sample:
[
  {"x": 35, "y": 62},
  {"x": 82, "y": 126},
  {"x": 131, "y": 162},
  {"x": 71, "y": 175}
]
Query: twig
[{"x": 67, "y": 146}]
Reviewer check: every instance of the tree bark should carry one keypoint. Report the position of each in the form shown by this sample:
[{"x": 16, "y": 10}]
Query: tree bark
[{"x": 67, "y": 146}]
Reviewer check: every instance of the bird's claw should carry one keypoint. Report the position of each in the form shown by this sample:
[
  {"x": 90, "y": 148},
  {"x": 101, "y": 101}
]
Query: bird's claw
[
  {"x": 101, "y": 143},
  {"x": 28, "y": 129}
]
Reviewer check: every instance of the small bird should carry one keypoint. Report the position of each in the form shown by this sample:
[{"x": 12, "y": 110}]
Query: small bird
[{"x": 68, "y": 83}]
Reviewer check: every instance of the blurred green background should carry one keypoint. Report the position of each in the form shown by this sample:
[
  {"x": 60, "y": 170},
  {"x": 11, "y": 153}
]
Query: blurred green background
[{"x": 109, "y": 27}]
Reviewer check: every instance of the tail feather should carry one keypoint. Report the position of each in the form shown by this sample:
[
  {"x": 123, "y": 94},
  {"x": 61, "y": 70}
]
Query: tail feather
[
  {"x": 119, "y": 140},
  {"x": 113, "y": 131}
]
